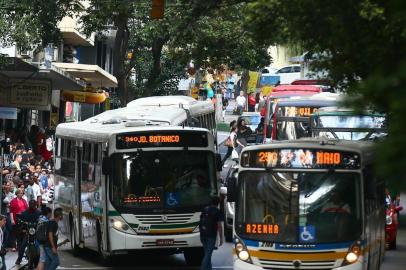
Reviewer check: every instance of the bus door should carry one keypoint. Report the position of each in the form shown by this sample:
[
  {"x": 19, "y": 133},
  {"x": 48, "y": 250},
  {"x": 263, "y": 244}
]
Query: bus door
[{"x": 78, "y": 207}]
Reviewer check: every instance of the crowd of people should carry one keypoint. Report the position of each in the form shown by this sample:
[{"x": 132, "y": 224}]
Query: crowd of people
[{"x": 27, "y": 188}]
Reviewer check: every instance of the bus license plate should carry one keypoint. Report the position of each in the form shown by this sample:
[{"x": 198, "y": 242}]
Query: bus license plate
[{"x": 165, "y": 242}]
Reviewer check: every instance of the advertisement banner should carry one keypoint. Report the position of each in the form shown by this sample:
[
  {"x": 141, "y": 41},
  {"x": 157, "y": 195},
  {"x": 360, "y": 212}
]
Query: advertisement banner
[{"x": 252, "y": 83}]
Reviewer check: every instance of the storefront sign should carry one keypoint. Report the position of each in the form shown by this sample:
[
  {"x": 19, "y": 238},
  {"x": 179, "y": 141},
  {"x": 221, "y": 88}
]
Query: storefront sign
[
  {"x": 30, "y": 94},
  {"x": 8, "y": 113}
]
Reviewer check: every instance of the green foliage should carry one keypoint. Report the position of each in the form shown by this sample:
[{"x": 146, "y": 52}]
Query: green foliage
[
  {"x": 209, "y": 33},
  {"x": 361, "y": 43},
  {"x": 33, "y": 23}
]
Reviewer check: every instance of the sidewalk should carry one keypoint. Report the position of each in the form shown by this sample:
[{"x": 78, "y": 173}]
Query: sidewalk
[{"x": 11, "y": 258}]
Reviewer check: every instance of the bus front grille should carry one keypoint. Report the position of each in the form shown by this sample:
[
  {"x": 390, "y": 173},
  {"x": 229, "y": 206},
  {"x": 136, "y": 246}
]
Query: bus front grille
[
  {"x": 308, "y": 265},
  {"x": 164, "y": 219}
]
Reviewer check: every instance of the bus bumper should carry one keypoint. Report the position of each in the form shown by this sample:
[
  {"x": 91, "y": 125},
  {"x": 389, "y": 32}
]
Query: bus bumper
[
  {"x": 120, "y": 241},
  {"x": 241, "y": 265}
]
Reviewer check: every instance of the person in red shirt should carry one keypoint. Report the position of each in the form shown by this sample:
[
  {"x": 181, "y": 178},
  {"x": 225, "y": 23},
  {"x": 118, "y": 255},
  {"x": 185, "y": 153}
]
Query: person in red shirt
[
  {"x": 251, "y": 102},
  {"x": 17, "y": 206}
]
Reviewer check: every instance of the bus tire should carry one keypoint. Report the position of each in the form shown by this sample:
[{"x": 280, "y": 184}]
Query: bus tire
[{"x": 194, "y": 256}]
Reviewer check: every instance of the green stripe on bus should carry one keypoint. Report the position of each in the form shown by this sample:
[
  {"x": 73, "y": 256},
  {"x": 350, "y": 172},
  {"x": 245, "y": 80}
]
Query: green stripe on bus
[{"x": 113, "y": 213}]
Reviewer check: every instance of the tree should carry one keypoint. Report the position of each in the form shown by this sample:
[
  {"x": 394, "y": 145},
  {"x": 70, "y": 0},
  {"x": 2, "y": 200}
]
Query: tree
[
  {"x": 161, "y": 49},
  {"x": 361, "y": 43},
  {"x": 33, "y": 23}
]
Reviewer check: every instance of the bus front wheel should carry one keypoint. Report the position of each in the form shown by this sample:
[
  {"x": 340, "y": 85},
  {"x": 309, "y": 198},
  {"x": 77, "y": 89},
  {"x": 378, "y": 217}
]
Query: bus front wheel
[{"x": 194, "y": 256}]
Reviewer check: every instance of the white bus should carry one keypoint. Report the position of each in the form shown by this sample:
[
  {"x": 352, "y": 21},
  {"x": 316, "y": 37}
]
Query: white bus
[
  {"x": 308, "y": 204},
  {"x": 202, "y": 111},
  {"x": 135, "y": 179}
]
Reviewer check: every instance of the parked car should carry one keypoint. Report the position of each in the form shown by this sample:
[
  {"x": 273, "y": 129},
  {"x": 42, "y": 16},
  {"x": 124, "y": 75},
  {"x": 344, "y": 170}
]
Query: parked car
[
  {"x": 288, "y": 74},
  {"x": 392, "y": 223}
]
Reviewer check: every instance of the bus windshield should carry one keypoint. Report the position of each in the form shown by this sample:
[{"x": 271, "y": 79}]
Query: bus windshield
[
  {"x": 292, "y": 122},
  {"x": 331, "y": 122},
  {"x": 299, "y": 207},
  {"x": 172, "y": 181}
]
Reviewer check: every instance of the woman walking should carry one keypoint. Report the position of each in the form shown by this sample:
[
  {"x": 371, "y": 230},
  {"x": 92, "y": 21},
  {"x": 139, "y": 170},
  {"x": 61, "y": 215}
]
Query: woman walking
[{"x": 230, "y": 141}]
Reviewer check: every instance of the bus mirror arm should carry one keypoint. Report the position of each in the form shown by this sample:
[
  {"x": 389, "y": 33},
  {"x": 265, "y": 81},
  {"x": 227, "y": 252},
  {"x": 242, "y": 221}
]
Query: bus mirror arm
[
  {"x": 219, "y": 166},
  {"x": 231, "y": 189},
  {"x": 106, "y": 166}
]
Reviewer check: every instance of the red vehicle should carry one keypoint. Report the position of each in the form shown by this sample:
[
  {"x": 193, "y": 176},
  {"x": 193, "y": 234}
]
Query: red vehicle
[{"x": 391, "y": 227}]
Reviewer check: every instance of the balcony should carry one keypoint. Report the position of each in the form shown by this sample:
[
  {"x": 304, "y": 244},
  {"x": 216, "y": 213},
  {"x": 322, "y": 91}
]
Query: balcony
[{"x": 70, "y": 29}]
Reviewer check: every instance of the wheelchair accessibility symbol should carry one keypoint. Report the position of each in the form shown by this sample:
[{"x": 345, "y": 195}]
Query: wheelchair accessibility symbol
[
  {"x": 307, "y": 233},
  {"x": 172, "y": 199}
]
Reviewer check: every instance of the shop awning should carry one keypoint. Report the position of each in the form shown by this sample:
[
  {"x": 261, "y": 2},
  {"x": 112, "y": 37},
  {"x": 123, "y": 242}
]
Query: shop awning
[
  {"x": 93, "y": 74},
  {"x": 19, "y": 69}
]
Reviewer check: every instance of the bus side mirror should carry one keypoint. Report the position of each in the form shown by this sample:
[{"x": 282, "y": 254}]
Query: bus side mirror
[
  {"x": 106, "y": 166},
  {"x": 231, "y": 189},
  {"x": 219, "y": 166}
]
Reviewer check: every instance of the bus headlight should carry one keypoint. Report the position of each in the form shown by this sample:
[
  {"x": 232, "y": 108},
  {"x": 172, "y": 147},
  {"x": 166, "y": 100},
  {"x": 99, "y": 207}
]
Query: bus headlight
[
  {"x": 353, "y": 253},
  {"x": 351, "y": 257},
  {"x": 242, "y": 252},
  {"x": 388, "y": 220},
  {"x": 120, "y": 225}
]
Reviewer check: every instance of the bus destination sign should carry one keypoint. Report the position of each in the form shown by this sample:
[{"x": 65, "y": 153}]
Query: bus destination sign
[
  {"x": 163, "y": 138},
  {"x": 301, "y": 158},
  {"x": 297, "y": 111}
]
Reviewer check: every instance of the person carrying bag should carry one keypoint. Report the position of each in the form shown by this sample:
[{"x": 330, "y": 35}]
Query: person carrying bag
[{"x": 230, "y": 142}]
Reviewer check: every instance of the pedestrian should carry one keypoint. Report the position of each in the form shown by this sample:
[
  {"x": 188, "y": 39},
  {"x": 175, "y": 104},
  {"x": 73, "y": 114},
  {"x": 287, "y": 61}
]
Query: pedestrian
[
  {"x": 259, "y": 131},
  {"x": 51, "y": 246},
  {"x": 17, "y": 206},
  {"x": 45, "y": 217},
  {"x": 3, "y": 221},
  {"x": 230, "y": 86},
  {"x": 241, "y": 102},
  {"x": 211, "y": 226},
  {"x": 243, "y": 132},
  {"x": 251, "y": 102},
  {"x": 230, "y": 141},
  {"x": 30, "y": 215},
  {"x": 37, "y": 189}
]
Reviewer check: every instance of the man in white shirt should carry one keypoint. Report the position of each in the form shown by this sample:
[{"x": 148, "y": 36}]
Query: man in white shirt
[
  {"x": 241, "y": 101},
  {"x": 37, "y": 190}
]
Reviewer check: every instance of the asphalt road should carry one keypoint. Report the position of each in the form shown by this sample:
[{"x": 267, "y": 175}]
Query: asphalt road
[{"x": 87, "y": 260}]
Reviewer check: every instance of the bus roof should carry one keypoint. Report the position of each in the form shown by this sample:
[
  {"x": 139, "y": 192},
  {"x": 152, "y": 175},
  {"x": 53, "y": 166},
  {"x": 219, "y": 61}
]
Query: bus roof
[
  {"x": 341, "y": 111},
  {"x": 194, "y": 106},
  {"x": 286, "y": 94},
  {"x": 100, "y": 127},
  {"x": 307, "y": 101},
  {"x": 364, "y": 148},
  {"x": 305, "y": 88}
]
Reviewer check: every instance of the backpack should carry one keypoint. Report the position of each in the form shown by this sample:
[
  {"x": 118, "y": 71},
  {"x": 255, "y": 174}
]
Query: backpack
[
  {"x": 42, "y": 232},
  {"x": 208, "y": 223}
]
